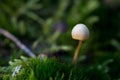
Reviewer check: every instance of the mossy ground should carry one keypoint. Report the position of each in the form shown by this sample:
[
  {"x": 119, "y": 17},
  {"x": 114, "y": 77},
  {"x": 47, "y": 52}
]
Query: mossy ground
[{"x": 53, "y": 69}]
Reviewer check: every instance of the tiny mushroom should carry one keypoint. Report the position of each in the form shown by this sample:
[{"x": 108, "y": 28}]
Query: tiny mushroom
[{"x": 79, "y": 32}]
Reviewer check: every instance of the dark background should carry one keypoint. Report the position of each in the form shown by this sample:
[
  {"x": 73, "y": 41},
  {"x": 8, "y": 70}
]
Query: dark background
[{"x": 45, "y": 26}]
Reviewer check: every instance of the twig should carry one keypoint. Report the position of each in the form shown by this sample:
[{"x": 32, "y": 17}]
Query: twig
[{"x": 17, "y": 42}]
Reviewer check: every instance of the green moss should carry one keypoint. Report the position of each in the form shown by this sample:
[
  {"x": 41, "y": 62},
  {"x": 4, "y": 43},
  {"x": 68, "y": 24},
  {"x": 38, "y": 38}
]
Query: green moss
[{"x": 52, "y": 69}]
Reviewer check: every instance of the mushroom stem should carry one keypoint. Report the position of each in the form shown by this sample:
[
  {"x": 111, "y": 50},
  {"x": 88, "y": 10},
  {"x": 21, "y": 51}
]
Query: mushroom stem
[{"x": 77, "y": 52}]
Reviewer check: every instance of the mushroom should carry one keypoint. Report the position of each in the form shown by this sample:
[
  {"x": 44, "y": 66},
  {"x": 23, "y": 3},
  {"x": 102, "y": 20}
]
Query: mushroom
[{"x": 79, "y": 32}]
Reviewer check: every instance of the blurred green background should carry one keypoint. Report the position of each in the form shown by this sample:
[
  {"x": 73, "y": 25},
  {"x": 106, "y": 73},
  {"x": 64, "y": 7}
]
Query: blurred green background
[{"x": 45, "y": 26}]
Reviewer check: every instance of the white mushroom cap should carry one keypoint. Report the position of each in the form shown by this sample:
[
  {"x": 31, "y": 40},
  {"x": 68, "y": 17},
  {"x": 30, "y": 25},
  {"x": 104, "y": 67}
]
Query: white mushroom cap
[{"x": 80, "y": 32}]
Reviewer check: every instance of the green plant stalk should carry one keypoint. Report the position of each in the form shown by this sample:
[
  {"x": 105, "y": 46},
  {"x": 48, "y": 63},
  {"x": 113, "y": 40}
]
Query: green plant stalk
[{"x": 54, "y": 37}]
